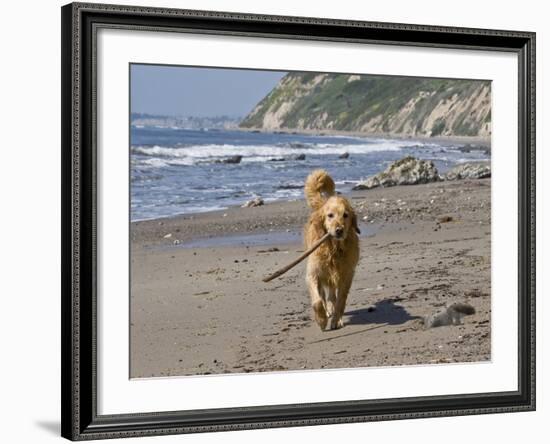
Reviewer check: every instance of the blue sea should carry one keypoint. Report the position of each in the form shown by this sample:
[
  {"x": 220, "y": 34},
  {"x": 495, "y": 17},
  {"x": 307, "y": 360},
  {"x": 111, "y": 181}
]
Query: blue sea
[{"x": 178, "y": 171}]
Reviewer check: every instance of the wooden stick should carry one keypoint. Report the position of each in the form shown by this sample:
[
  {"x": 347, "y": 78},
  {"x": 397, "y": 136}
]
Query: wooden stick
[{"x": 297, "y": 261}]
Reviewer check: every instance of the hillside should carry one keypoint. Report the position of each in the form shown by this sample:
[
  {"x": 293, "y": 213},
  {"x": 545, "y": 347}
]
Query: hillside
[{"x": 397, "y": 106}]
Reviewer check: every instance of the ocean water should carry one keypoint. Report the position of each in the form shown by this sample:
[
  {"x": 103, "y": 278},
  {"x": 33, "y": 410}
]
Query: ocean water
[{"x": 176, "y": 171}]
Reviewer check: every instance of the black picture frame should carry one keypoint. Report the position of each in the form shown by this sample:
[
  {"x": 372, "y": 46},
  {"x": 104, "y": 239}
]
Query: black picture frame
[{"x": 80, "y": 22}]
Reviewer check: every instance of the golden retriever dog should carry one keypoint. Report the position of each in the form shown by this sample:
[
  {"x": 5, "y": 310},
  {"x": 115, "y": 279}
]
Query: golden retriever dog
[{"x": 331, "y": 267}]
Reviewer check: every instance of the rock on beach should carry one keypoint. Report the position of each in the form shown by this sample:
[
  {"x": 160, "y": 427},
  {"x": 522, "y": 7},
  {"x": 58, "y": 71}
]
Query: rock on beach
[
  {"x": 256, "y": 202},
  {"x": 232, "y": 159},
  {"x": 413, "y": 171},
  {"x": 406, "y": 171},
  {"x": 472, "y": 170}
]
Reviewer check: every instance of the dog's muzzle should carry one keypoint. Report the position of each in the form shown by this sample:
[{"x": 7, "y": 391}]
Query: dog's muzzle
[{"x": 338, "y": 233}]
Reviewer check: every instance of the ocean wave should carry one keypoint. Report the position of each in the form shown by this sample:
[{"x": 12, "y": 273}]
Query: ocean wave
[
  {"x": 157, "y": 162},
  {"x": 189, "y": 155},
  {"x": 138, "y": 215},
  {"x": 290, "y": 185}
]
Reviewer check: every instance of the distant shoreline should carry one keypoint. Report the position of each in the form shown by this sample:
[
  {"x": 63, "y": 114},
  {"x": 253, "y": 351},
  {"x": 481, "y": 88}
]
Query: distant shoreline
[{"x": 477, "y": 140}]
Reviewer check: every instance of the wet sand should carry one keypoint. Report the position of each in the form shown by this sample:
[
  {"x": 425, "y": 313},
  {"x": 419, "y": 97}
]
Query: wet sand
[{"x": 199, "y": 306}]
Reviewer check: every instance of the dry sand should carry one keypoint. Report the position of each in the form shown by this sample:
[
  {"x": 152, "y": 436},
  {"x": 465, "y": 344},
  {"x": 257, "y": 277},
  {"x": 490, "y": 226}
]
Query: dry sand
[{"x": 199, "y": 306}]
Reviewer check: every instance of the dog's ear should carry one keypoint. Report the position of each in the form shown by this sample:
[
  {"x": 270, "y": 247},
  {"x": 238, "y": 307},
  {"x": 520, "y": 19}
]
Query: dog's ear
[
  {"x": 354, "y": 223},
  {"x": 317, "y": 224}
]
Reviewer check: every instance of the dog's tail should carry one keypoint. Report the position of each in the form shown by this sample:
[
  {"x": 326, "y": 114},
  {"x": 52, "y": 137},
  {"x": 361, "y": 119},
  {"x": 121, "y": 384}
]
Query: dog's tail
[{"x": 319, "y": 186}]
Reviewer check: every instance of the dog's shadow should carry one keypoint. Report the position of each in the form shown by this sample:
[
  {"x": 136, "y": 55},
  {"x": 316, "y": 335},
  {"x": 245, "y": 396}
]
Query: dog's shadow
[{"x": 383, "y": 312}]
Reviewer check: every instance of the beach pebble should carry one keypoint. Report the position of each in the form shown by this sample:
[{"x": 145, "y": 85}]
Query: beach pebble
[
  {"x": 444, "y": 219},
  {"x": 168, "y": 236},
  {"x": 177, "y": 242}
]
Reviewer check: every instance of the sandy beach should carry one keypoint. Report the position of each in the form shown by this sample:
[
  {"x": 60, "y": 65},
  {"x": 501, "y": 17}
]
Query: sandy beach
[{"x": 199, "y": 306}]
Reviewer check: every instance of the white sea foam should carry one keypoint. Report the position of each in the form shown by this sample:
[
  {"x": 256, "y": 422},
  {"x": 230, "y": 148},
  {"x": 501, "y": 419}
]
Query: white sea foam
[
  {"x": 157, "y": 162},
  {"x": 190, "y": 155}
]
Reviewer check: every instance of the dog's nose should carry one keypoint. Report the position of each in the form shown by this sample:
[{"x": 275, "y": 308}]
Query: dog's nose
[{"x": 339, "y": 231}]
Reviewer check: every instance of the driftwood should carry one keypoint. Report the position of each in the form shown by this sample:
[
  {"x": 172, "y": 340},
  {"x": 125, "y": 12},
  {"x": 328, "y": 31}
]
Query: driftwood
[{"x": 297, "y": 261}]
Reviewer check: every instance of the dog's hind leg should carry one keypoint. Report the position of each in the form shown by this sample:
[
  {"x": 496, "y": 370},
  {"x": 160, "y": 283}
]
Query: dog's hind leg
[{"x": 316, "y": 294}]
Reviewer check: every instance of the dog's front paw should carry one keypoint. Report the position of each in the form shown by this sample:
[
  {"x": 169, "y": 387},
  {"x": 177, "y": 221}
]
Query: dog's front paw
[
  {"x": 320, "y": 315},
  {"x": 335, "y": 323},
  {"x": 321, "y": 321}
]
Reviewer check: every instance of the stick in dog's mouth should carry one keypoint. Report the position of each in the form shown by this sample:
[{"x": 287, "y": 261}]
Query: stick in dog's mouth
[{"x": 297, "y": 261}]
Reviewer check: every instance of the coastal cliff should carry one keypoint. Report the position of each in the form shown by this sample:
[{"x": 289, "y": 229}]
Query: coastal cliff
[{"x": 377, "y": 105}]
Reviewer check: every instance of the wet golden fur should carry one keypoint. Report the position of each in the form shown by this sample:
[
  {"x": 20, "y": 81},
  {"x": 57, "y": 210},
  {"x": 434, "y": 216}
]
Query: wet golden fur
[{"x": 331, "y": 267}]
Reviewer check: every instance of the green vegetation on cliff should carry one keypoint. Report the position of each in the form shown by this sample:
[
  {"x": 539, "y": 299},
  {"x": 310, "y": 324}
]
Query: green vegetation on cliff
[{"x": 370, "y": 104}]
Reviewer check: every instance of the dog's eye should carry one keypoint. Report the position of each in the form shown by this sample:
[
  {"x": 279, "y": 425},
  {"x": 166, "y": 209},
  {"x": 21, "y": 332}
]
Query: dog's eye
[
  {"x": 330, "y": 215},
  {"x": 346, "y": 215}
]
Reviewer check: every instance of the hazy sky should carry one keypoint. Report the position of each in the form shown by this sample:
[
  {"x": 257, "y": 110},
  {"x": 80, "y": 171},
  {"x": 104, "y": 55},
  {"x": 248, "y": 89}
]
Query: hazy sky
[{"x": 182, "y": 91}]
